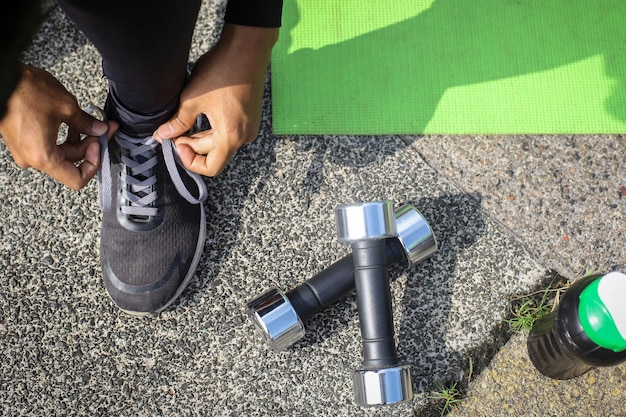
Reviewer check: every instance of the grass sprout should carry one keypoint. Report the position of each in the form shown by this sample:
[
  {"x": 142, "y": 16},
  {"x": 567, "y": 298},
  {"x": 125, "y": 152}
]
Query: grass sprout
[{"x": 448, "y": 396}]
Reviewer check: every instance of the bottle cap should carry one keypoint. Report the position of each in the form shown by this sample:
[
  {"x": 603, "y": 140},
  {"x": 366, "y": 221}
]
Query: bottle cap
[{"x": 602, "y": 311}]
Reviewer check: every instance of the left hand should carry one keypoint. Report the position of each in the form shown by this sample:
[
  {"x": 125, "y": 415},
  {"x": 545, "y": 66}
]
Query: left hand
[{"x": 226, "y": 85}]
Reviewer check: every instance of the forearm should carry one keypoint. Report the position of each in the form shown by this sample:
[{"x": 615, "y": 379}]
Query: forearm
[{"x": 249, "y": 44}]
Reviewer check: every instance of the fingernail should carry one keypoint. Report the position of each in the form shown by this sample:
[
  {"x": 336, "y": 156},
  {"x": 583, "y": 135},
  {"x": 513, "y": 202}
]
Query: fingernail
[
  {"x": 165, "y": 131},
  {"x": 99, "y": 128}
]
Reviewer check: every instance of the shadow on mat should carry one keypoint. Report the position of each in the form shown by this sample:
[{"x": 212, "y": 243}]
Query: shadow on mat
[{"x": 484, "y": 40}]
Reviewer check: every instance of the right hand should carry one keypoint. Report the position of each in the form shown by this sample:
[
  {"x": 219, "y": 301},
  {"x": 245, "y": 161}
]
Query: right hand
[{"x": 30, "y": 128}]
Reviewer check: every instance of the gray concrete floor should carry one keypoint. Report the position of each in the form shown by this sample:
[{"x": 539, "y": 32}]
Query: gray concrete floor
[{"x": 505, "y": 210}]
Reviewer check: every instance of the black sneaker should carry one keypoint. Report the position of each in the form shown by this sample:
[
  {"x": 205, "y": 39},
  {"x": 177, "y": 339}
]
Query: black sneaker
[{"x": 153, "y": 228}]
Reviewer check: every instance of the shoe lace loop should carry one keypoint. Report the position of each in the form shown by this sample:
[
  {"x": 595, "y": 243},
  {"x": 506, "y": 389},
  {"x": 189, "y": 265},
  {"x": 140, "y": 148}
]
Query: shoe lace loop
[{"x": 139, "y": 155}]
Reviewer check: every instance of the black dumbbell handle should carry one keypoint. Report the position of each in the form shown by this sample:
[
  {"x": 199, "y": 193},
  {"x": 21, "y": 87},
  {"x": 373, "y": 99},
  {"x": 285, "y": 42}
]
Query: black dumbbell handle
[
  {"x": 334, "y": 282},
  {"x": 374, "y": 304}
]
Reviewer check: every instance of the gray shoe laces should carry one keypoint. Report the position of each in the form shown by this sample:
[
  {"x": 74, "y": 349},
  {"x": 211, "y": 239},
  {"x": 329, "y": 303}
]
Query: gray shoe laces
[{"x": 139, "y": 180}]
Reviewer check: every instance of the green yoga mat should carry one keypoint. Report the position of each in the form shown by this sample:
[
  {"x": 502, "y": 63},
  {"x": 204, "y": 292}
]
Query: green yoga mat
[{"x": 450, "y": 67}]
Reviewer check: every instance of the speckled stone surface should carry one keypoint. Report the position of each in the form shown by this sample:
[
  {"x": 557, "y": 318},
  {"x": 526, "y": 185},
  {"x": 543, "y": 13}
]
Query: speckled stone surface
[
  {"x": 65, "y": 349},
  {"x": 512, "y": 386},
  {"x": 564, "y": 196}
]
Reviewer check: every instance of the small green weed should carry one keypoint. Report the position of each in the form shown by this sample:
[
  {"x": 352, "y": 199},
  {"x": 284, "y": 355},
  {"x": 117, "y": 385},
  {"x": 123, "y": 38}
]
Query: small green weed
[
  {"x": 527, "y": 313},
  {"x": 532, "y": 307},
  {"x": 448, "y": 396}
]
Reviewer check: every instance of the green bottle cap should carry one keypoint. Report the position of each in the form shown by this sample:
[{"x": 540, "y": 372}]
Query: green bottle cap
[{"x": 602, "y": 311}]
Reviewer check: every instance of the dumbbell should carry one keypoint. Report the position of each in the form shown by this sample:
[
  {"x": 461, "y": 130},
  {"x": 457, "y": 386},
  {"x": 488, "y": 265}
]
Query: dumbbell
[
  {"x": 366, "y": 226},
  {"x": 280, "y": 316}
]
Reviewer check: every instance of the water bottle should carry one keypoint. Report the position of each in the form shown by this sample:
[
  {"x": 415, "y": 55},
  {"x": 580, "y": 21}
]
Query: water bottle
[{"x": 588, "y": 330}]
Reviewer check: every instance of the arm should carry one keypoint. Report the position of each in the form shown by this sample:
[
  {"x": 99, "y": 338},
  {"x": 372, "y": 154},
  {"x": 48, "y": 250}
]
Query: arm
[{"x": 227, "y": 86}]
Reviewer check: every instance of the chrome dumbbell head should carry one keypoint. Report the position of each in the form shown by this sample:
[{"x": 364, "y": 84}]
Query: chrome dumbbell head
[
  {"x": 415, "y": 235},
  {"x": 383, "y": 386},
  {"x": 364, "y": 221},
  {"x": 276, "y": 318}
]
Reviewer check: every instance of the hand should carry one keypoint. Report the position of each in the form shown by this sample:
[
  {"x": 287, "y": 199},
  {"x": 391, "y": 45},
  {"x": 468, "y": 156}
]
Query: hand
[
  {"x": 30, "y": 128},
  {"x": 226, "y": 85}
]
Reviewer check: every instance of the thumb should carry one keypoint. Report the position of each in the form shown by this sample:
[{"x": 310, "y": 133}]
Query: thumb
[
  {"x": 177, "y": 125},
  {"x": 84, "y": 123}
]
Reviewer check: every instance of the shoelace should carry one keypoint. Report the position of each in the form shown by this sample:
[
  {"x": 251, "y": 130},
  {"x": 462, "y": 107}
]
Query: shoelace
[{"x": 139, "y": 178}]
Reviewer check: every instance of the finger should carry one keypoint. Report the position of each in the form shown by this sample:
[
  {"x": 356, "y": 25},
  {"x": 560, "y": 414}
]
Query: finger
[
  {"x": 193, "y": 150},
  {"x": 91, "y": 163},
  {"x": 201, "y": 164},
  {"x": 75, "y": 136},
  {"x": 74, "y": 150},
  {"x": 82, "y": 122},
  {"x": 88, "y": 151},
  {"x": 113, "y": 126},
  {"x": 217, "y": 160},
  {"x": 201, "y": 142},
  {"x": 177, "y": 125},
  {"x": 75, "y": 177},
  {"x": 210, "y": 163},
  {"x": 190, "y": 159}
]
